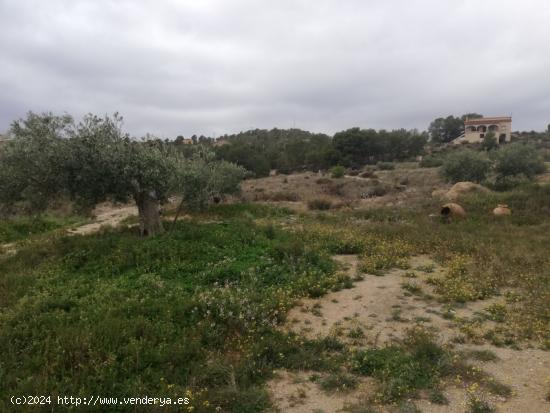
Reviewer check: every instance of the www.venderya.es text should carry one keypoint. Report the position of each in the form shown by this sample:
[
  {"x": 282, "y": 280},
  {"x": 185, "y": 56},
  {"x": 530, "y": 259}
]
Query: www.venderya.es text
[{"x": 98, "y": 401}]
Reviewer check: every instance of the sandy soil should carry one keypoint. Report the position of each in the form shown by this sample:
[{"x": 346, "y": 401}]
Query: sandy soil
[
  {"x": 383, "y": 310},
  {"x": 106, "y": 215},
  {"x": 294, "y": 392}
]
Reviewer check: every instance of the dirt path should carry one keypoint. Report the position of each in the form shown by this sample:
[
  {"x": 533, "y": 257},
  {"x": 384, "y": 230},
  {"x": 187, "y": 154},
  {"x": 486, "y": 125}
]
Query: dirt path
[
  {"x": 106, "y": 215},
  {"x": 379, "y": 310}
]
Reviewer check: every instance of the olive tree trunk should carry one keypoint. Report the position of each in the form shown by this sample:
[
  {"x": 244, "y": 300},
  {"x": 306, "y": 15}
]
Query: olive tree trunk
[{"x": 150, "y": 223}]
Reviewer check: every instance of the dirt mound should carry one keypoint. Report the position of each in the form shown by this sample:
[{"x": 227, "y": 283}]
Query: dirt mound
[{"x": 461, "y": 188}]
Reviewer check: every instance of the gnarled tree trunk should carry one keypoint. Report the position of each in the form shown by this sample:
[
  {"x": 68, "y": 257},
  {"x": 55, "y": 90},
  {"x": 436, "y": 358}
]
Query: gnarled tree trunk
[{"x": 150, "y": 223}]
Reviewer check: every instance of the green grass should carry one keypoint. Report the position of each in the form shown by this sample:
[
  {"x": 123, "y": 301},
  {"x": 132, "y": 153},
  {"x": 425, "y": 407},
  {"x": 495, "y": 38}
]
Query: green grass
[
  {"x": 15, "y": 229},
  {"x": 198, "y": 308},
  {"x": 481, "y": 256},
  {"x": 403, "y": 370},
  {"x": 195, "y": 309}
]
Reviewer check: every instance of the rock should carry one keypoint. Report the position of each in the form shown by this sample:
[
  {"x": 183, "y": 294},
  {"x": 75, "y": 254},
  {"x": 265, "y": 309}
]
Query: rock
[
  {"x": 461, "y": 188},
  {"x": 452, "y": 210},
  {"x": 502, "y": 210}
]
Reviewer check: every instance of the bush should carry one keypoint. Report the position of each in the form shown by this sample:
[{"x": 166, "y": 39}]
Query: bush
[
  {"x": 385, "y": 166},
  {"x": 465, "y": 165},
  {"x": 337, "y": 171},
  {"x": 505, "y": 183},
  {"x": 319, "y": 204},
  {"x": 378, "y": 189},
  {"x": 431, "y": 162},
  {"x": 403, "y": 370},
  {"x": 517, "y": 159}
]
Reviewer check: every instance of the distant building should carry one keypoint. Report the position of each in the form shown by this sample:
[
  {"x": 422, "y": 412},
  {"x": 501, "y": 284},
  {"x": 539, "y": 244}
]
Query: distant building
[
  {"x": 220, "y": 142},
  {"x": 476, "y": 129},
  {"x": 180, "y": 140}
]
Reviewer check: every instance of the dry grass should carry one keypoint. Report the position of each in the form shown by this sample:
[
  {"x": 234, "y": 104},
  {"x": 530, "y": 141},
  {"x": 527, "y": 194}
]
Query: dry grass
[{"x": 405, "y": 185}]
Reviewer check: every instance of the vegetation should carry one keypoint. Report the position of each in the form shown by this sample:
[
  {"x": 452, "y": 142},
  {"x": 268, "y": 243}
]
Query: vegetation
[
  {"x": 489, "y": 141},
  {"x": 19, "y": 228},
  {"x": 319, "y": 204},
  {"x": 197, "y": 311},
  {"x": 431, "y": 161},
  {"x": 296, "y": 150},
  {"x": 93, "y": 161},
  {"x": 289, "y": 150},
  {"x": 356, "y": 147},
  {"x": 104, "y": 310},
  {"x": 403, "y": 370},
  {"x": 337, "y": 171},
  {"x": 518, "y": 159},
  {"x": 443, "y": 130},
  {"x": 385, "y": 166},
  {"x": 465, "y": 165},
  {"x": 338, "y": 382}
]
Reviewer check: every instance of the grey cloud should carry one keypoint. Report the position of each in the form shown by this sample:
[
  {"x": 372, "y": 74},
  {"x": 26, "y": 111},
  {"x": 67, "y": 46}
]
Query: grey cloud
[{"x": 219, "y": 66}]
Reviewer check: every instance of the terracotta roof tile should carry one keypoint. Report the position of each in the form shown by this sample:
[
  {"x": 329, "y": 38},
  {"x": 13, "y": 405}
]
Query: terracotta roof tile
[{"x": 486, "y": 121}]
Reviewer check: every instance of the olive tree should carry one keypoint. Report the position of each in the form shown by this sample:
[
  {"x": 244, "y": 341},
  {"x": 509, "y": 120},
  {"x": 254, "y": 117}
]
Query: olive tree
[
  {"x": 465, "y": 165},
  {"x": 32, "y": 164},
  {"x": 202, "y": 178},
  {"x": 517, "y": 159},
  {"x": 90, "y": 162}
]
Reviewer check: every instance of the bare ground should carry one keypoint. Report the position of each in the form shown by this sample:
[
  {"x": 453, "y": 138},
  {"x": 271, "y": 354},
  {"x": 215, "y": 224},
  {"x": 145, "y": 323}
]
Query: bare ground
[
  {"x": 106, "y": 215},
  {"x": 383, "y": 310},
  {"x": 404, "y": 185}
]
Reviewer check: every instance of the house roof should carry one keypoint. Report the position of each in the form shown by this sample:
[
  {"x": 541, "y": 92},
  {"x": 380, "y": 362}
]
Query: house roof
[{"x": 485, "y": 121}]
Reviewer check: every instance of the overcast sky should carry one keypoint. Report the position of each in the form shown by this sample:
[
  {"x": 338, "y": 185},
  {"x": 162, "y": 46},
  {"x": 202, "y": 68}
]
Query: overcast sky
[{"x": 222, "y": 66}]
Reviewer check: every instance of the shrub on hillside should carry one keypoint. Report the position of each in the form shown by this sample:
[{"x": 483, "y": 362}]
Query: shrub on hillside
[
  {"x": 465, "y": 165},
  {"x": 337, "y": 171},
  {"x": 505, "y": 183},
  {"x": 377, "y": 189},
  {"x": 385, "y": 166},
  {"x": 431, "y": 162},
  {"x": 518, "y": 159}
]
